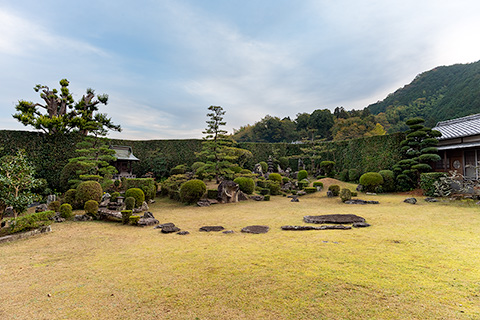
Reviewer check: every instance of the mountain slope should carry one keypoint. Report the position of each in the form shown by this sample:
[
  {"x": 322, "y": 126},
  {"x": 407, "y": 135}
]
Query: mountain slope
[{"x": 443, "y": 93}]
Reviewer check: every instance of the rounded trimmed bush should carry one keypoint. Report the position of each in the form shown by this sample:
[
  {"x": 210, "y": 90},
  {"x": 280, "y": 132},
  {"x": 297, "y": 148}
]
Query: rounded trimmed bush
[
  {"x": 274, "y": 188},
  {"x": 129, "y": 203},
  {"x": 264, "y": 166},
  {"x": 388, "y": 180},
  {"x": 91, "y": 208},
  {"x": 192, "y": 190},
  {"x": 114, "y": 195},
  {"x": 245, "y": 184},
  {"x": 345, "y": 194},
  {"x": 66, "y": 211},
  {"x": 302, "y": 174},
  {"x": 88, "y": 190},
  {"x": 285, "y": 180},
  {"x": 371, "y": 180},
  {"x": 310, "y": 189},
  {"x": 136, "y": 193},
  {"x": 236, "y": 169},
  {"x": 317, "y": 184},
  {"x": 54, "y": 206},
  {"x": 275, "y": 177},
  {"x": 335, "y": 189}
]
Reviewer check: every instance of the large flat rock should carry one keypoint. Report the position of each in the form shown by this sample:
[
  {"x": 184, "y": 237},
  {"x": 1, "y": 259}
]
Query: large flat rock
[{"x": 334, "y": 218}]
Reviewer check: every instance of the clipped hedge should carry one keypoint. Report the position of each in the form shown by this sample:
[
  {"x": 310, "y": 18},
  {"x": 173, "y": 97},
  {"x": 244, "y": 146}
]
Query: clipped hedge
[
  {"x": 31, "y": 221},
  {"x": 371, "y": 180}
]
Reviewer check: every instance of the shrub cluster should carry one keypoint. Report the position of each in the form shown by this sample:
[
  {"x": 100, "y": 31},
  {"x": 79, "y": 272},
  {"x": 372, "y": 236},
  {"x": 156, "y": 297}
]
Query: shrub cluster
[
  {"x": 88, "y": 190},
  {"x": 192, "y": 190},
  {"x": 335, "y": 189},
  {"x": 246, "y": 185},
  {"x": 388, "y": 180},
  {"x": 126, "y": 216},
  {"x": 275, "y": 177},
  {"x": 31, "y": 221},
  {"x": 317, "y": 184},
  {"x": 129, "y": 203},
  {"x": 137, "y": 194},
  {"x": 371, "y": 180},
  {"x": 345, "y": 194},
  {"x": 54, "y": 206},
  {"x": 147, "y": 185},
  {"x": 427, "y": 182}
]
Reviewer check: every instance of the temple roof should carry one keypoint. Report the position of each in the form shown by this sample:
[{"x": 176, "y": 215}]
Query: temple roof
[
  {"x": 460, "y": 127},
  {"x": 124, "y": 153}
]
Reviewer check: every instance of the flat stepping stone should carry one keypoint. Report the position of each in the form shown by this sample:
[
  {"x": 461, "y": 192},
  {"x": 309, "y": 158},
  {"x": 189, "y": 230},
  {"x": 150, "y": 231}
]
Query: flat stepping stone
[
  {"x": 326, "y": 227},
  {"x": 410, "y": 200},
  {"x": 359, "y": 201},
  {"x": 211, "y": 228},
  {"x": 334, "y": 218},
  {"x": 256, "y": 229},
  {"x": 228, "y": 231},
  {"x": 183, "y": 233},
  {"x": 360, "y": 225}
]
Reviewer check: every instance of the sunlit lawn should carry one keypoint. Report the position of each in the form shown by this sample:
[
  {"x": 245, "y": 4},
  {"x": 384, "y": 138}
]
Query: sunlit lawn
[{"x": 415, "y": 262}]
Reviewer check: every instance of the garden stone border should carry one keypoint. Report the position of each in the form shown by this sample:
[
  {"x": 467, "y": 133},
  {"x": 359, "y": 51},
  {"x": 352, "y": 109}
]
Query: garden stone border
[{"x": 27, "y": 234}]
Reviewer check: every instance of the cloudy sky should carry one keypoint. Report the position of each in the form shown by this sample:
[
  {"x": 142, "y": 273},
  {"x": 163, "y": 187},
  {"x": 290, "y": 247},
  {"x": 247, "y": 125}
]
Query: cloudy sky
[{"x": 164, "y": 62}]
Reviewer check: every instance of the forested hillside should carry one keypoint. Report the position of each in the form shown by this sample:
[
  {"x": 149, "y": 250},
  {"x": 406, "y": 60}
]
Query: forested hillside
[{"x": 443, "y": 93}]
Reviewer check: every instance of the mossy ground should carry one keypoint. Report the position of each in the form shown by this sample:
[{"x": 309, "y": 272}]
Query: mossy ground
[{"x": 415, "y": 262}]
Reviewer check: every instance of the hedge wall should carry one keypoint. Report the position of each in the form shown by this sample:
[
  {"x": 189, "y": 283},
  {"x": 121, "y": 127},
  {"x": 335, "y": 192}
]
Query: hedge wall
[{"x": 50, "y": 154}]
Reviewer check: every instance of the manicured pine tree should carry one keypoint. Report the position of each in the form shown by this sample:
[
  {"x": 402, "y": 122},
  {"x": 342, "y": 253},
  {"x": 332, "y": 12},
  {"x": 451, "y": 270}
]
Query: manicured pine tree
[{"x": 419, "y": 151}]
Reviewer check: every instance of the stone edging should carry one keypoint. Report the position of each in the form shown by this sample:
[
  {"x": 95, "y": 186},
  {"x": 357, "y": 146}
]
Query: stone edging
[{"x": 21, "y": 235}]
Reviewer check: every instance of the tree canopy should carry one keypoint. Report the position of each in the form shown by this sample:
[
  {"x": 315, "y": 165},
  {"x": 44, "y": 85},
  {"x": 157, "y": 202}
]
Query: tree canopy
[{"x": 62, "y": 115}]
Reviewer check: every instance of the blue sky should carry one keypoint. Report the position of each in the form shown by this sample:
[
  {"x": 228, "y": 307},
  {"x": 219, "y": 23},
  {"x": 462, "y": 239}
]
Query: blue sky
[{"x": 164, "y": 62}]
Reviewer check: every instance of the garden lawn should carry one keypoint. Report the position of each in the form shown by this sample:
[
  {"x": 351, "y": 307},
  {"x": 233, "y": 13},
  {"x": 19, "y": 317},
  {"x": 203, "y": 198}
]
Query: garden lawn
[{"x": 415, "y": 262}]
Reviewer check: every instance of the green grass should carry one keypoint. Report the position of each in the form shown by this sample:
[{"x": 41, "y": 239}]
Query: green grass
[{"x": 415, "y": 262}]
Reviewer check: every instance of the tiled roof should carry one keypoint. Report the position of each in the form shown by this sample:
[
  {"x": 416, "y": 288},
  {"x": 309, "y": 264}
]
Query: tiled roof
[
  {"x": 461, "y": 127},
  {"x": 124, "y": 153}
]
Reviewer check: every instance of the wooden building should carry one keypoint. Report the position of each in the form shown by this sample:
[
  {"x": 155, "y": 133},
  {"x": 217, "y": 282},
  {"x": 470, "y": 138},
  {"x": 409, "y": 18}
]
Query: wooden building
[
  {"x": 125, "y": 158},
  {"x": 459, "y": 146}
]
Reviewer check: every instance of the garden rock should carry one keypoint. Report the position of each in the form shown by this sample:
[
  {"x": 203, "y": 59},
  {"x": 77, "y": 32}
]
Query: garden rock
[
  {"x": 169, "y": 228},
  {"x": 242, "y": 196},
  {"x": 82, "y": 217},
  {"x": 256, "y": 229},
  {"x": 211, "y": 228},
  {"x": 359, "y": 188},
  {"x": 257, "y": 198},
  {"x": 334, "y": 218},
  {"x": 294, "y": 198},
  {"x": 301, "y": 193},
  {"x": 228, "y": 231},
  {"x": 106, "y": 197},
  {"x": 57, "y": 218},
  {"x": 330, "y": 194},
  {"x": 144, "y": 206},
  {"x": 228, "y": 192},
  {"x": 360, "y": 225},
  {"x": 9, "y": 212},
  {"x": 203, "y": 203},
  {"x": 258, "y": 169},
  {"x": 287, "y": 187},
  {"x": 359, "y": 201},
  {"x": 430, "y": 199},
  {"x": 147, "y": 220},
  {"x": 41, "y": 208},
  {"x": 410, "y": 200},
  {"x": 110, "y": 215},
  {"x": 183, "y": 233}
]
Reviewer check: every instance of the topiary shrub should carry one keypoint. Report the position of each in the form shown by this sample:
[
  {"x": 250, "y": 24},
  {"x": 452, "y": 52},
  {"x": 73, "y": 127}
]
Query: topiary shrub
[
  {"x": 191, "y": 191},
  {"x": 262, "y": 183},
  {"x": 266, "y": 197},
  {"x": 335, "y": 189},
  {"x": 88, "y": 190},
  {"x": 275, "y": 177},
  {"x": 354, "y": 193},
  {"x": 212, "y": 193},
  {"x": 353, "y": 175},
  {"x": 126, "y": 215},
  {"x": 274, "y": 188},
  {"x": 246, "y": 185},
  {"x": 197, "y": 165},
  {"x": 129, "y": 203},
  {"x": 91, "y": 208},
  {"x": 427, "y": 182},
  {"x": 136, "y": 193},
  {"x": 345, "y": 194},
  {"x": 264, "y": 191},
  {"x": 302, "y": 174},
  {"x": 134, "y": 220},
  {"x": 302, "y": 184},
  {"x": 54, "y": 206},
  {"x": 370, "y": 181},
  {"x": 180, "y": 169},
  {"x": 66, "y": 211},
  {"x": 310, "y": 189},
  {"x": 318, "y": 185},
  {"x": 285, "y": 180},
  {"x": 388, "y": 180},
  {"x": 264, "y": 166},
  {"x": 114, "y": 195}
]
